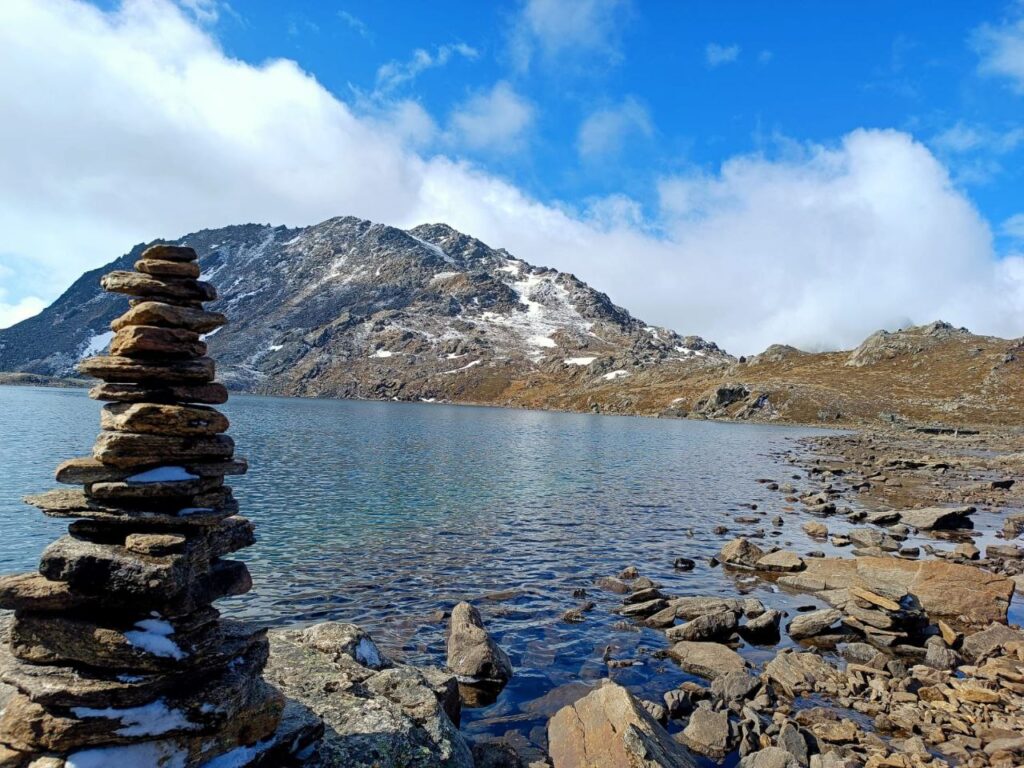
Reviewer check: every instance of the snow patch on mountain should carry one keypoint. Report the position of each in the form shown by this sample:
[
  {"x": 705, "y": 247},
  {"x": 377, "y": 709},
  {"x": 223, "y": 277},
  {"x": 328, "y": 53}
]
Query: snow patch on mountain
[{"x": 96, "y": 344}]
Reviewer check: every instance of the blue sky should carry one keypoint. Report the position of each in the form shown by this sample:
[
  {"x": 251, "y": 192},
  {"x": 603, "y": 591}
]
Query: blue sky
[
  {"x": 753, "y": 172},
  {"x": 704, "y": 81}
]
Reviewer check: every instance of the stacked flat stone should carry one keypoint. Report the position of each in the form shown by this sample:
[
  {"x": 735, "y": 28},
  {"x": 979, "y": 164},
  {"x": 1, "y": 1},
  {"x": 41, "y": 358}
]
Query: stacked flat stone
[{"x": 116, "y": 653}]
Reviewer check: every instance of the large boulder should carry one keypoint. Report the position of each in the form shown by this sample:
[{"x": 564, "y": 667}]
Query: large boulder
[
  {"x": 708, "y": 660},
  {"x": 608, "y": 728},
  {"x": 741, "y": 553},
  {"x": 943, "y": 589},
  {"x": 711, "y": 626},
  {"x": 708, "y": 733},
  {"x": 930, "y": 518},
  {"x": 472, "y": 654},
  {"x": 814, "y": 623},
  {"x": 374, "y": 718}
]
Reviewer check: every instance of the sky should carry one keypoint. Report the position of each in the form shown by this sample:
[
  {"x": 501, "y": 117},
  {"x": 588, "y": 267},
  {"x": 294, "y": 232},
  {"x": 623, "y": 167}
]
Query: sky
[{"x": 755, "y": 173}]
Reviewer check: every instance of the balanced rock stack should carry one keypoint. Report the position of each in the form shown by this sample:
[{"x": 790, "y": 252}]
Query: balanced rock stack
[{"x": 115, "y": 653}]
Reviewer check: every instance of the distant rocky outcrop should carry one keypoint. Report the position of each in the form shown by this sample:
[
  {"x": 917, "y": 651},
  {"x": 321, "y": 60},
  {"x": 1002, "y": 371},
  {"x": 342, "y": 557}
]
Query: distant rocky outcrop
[{"x": 886, "y": 345}]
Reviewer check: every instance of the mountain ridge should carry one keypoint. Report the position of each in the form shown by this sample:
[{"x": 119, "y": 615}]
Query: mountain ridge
[{"x": 355, "y": 309}]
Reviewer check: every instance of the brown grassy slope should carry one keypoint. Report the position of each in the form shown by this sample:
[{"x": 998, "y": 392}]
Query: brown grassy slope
[{"x": 919, "y": 375}]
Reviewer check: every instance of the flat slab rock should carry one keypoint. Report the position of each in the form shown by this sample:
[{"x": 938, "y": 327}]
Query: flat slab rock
[
  {"x": 609, "y": 728},
  {"x": 213, "y": 393},
  {"x": 929, "y": 518},
  {"x": 942, "y": 588},
  {"x": 159, "y": 314},
  {"x": 708, "y": 660}
]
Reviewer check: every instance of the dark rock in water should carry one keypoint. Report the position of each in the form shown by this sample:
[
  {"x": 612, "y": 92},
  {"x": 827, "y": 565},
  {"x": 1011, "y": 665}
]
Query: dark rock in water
[
  {"x": 472, "y": 654},
  {"x": 684, "y": 564},
  {"x": 762, "y": 629}
]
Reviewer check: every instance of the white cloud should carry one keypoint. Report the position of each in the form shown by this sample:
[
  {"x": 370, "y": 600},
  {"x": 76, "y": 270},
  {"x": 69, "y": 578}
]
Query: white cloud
[
  {"x": 13, "y": 312},
  {"x": 1001, "y": 49},
  {"x": 1014, "y": 227},
  {"x": 397, "y": 73},
  {"x": 605, "y": 131},
  {"x": 717, "y": 55},
  {"x": 204, "y": 11},
  {"x": 964, "y": 138},
  {"x": 816, "y": 248},
  {"x": 495, "y": 120},
  {"x": 354, "y": 23},
  {"x": 556, "y": 28}
]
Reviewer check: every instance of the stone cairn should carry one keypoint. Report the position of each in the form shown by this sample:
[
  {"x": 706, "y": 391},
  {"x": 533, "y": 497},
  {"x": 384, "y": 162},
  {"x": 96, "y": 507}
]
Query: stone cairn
[{"x": 115, "y": 653}]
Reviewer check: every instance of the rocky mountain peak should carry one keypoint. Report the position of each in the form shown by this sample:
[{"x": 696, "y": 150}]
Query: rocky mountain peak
[{"x": 353, "y": 308}]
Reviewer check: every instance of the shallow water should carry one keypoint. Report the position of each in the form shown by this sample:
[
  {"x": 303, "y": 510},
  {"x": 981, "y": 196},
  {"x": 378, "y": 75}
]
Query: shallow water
[{"x": 382, "y": 513}]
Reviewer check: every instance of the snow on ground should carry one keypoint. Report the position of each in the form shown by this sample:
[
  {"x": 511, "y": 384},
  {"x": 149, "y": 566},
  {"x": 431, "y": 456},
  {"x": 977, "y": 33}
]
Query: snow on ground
[
  {"x": 154, "y": 637},
  {"x": 166, "y": 754},
  {"x": 240, "y": 756},
  {"x": 689, "y": 352},
  {"x": 548, "y": 310},
  {"x": 579, "y": 360},
  {"x": 275, "y": 347},
  {"x": 382, "y": 353},
  {"x": 613, "y": 375},
  {"x": 435, "y": 248},
  {"x": 96, "y": 344},
  {"x": 163, "y": 475},
  {"x": 368, "y": 655},
  {"x": 153, "y": 719},
  {"x": 444, "y": 275},
  {"x": 463, "y": 368}
]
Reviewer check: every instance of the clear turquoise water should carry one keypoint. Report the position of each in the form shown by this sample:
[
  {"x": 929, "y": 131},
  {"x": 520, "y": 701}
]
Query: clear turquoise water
[{"x": 381, "y": 513}]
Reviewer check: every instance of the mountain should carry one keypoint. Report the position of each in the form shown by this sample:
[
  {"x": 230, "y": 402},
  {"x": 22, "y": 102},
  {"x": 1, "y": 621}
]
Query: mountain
[{"x": 349, "y": 308}]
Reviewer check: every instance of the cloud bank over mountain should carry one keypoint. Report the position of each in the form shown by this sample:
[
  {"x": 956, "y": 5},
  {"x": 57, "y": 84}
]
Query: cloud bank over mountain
[{"x": 134, "y": 124}]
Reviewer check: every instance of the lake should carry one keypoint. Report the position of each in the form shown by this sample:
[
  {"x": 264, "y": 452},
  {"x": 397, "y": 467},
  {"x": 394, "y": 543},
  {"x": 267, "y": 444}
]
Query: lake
[{"x": 382, "y": 513}]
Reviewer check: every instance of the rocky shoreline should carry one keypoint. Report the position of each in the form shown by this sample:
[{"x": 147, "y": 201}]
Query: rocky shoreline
[
  {"x": 901, "y": 656},
  {"x": 898, "y": 653},
  {"x": 889, "y": 645}
]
